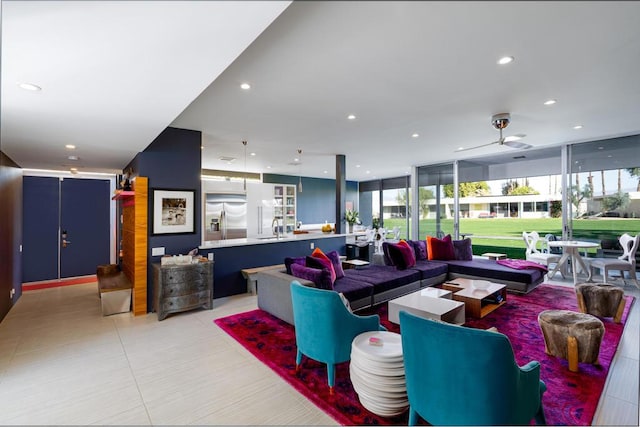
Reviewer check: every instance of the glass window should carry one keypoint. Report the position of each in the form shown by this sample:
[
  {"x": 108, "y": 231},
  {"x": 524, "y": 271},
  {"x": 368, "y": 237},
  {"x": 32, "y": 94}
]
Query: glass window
[{"x": 605, "y": 189}]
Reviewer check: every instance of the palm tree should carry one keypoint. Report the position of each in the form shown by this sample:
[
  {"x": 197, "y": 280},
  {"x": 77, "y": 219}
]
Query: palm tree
[{"x": 635, "y": 172}]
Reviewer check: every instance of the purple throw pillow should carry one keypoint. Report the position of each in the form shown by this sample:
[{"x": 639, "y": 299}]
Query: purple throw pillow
[
  {"x": 462, "y": 249},
  {"x": 321, "y": 278},
  {"x": 334, "y": 256},
  {"x": 385, "y": 251},
  {"x": 420, "y": 247},
  {"x": 401, "y": 256},
  {"x": 288, "y": 261},
  {"x": 320, "y": 263}
]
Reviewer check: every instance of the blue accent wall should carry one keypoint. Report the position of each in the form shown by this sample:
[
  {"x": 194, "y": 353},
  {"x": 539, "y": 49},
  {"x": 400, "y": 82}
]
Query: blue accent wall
[
  {"x": 228, "y": 262},
  {"x": 171, "y": 162},
  {"x": 11, "y": 232},
  {"x": 366, "y": 208},
  {"x": 317, "y": 202}
]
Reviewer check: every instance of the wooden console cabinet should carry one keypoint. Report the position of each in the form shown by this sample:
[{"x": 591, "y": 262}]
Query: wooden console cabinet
[{"x": 179, "y": 288}]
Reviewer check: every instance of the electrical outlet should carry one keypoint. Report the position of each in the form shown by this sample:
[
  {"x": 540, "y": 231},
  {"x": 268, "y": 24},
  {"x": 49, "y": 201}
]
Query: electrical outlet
[
  {"x": 12, "y": 292},
  {"x": 157, "y": 251},
  {"x": 210, "y": 256},
  {"x": 312, "y": 245}
]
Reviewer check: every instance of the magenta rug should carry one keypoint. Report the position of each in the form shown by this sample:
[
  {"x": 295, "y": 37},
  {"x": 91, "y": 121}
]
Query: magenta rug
[{"x": 571, "y": 398}]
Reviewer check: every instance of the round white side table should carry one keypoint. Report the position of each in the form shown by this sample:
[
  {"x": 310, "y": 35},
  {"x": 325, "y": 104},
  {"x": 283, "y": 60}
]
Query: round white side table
[{"x": 377, "y": 373}]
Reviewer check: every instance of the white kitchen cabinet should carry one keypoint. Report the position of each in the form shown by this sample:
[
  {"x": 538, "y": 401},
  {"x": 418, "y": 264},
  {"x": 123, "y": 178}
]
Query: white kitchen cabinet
[{"x": 260, "y": 209}]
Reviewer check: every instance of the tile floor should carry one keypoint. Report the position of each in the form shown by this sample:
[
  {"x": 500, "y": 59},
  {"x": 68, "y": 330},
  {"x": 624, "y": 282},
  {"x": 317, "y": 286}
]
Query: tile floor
[{"x": 61, "y": 362}]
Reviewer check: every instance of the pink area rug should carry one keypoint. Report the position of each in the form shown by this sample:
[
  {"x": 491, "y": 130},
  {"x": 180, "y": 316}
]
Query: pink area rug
[{"x": 571, "y": 398}]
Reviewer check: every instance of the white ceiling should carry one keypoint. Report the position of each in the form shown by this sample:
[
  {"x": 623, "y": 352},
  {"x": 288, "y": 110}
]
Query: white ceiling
[
  {"x": 113, "y": 74},
  {"x": 400, "y": 67}
]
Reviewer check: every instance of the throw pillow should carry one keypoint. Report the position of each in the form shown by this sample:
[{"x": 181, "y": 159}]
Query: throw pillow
[
  {"x": 288, "y": 261},
  {"x": 462, "y": 249},
  {"x": 385, "y": 251},
  {"x": 334, "y": 256},
  {"x": 318, "y": 254},
  {"x": 321, "y": 278},
  {"x": 409, "y": 255},
  {"x": 420, "y": 248},
  {"x": 321, "y": 263},
  {"x": 401, "y": 256},
  {"x": 440, "y": 249}
]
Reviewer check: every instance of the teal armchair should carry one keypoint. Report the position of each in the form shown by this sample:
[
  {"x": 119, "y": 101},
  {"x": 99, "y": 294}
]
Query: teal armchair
[
  {"x": 463, "y": 376},
  {"x": 325, "y": 327}
]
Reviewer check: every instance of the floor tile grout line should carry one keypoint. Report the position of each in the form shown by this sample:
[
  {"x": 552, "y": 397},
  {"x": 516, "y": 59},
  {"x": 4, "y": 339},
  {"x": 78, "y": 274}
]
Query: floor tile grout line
[{"x": 135, "y": 380}]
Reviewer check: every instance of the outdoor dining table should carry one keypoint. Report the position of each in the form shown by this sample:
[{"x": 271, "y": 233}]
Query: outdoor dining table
[{"x": 571, "y": 250}]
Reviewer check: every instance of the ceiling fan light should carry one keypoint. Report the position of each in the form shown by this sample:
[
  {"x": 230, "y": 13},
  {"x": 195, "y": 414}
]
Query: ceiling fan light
[
  {"x": 517, "y": 144},
  {"x": 513, "y": 138}
]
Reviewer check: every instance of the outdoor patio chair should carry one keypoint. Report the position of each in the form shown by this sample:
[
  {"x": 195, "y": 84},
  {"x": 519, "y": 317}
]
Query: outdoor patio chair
[
  {"x": 625, "y": 262},
  {"x": 536, "y": 255}
]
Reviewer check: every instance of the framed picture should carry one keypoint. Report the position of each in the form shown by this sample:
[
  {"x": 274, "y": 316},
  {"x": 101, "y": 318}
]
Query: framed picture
[{"x": 173, "y": 211}]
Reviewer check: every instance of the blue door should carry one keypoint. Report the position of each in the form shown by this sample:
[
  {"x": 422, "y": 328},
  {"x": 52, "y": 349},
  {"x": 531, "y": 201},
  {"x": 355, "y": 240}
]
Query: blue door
[
  {"x": 84, "y": 215},
  {"x": 40, "y": 211},
  {"x": 51, "y": 206}
]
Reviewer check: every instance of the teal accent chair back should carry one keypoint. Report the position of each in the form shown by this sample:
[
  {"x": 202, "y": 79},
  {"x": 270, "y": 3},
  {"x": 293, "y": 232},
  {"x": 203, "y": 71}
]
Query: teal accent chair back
[
  {"x": 462, "y": 376},
  {"x": 325, "y": 327}
]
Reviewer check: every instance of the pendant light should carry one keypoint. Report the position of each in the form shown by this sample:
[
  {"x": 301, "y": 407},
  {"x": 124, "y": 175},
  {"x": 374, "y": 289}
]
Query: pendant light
[
  {"x": 299, "y": 171},
  {"x": 245, "y": 164}
]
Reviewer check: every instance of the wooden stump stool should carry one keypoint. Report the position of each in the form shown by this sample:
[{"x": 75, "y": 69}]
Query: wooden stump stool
[
  {"x": 601, "y": 299},
  {"x": 573, "y": 336}
]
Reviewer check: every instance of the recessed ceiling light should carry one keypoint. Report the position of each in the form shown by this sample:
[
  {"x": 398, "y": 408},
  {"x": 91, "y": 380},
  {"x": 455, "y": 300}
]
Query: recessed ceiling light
[
  {"x": 351, "y": 117},
  {"x": 368, "y": 171},
  {"x": 202, "y": 147},
  {"x": 268, "y": 167},
  {"x": 252, "y": 154},
  {"x": 576, "y": 127},
  {"x": 600, "y": 148},
  {"x": 460, "y": 148},
  {"x": 357, "y": 166},
  {"x": 415, "y": 135},
  {"x": 325, "y": 171},
  {"x": 296, "y": 159},
  {"x": 609, "y": 156},
  {"x": 550, "y": 102},
  {"x": 505, "y": 60},
  {"x": 72, "y": 157},
  {"x": 245, "y": 86},
  {"x": 70, "y": 147},
  {"x": 30, "y": 86}
]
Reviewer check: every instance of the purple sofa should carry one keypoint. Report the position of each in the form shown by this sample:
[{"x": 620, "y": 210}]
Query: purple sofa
[{"x": 374, "y": 284}]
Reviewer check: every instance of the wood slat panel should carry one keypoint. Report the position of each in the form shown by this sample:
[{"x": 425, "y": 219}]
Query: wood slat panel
[{"x": 134, "y": 244}]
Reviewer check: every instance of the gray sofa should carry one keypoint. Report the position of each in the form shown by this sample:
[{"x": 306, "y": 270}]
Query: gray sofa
[{"x": 376, "y": 284}]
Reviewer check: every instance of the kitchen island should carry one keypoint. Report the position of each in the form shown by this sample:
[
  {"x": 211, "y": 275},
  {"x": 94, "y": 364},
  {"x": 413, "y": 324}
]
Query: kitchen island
[{"x": 233, "y": 255}]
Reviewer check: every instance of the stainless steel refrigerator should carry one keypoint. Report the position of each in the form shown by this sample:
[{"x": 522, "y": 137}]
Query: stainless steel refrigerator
[{"x": 225, "y": 216}]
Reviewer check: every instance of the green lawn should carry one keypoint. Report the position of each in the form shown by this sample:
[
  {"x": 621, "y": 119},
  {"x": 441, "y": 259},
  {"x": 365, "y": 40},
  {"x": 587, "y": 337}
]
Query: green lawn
[{"x": 505, "y": 234}]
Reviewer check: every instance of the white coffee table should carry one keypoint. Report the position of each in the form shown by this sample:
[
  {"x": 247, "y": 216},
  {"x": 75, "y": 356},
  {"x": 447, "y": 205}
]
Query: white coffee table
[{"x": 429, "y": 303}]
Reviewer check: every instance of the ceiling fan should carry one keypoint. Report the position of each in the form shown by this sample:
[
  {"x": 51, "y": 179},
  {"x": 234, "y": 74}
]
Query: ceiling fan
[{"x": 501, "y": 121}]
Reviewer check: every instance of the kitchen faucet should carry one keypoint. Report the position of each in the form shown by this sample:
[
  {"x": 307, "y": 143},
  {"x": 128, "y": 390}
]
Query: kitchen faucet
[{"x": 276, "y": 229}]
